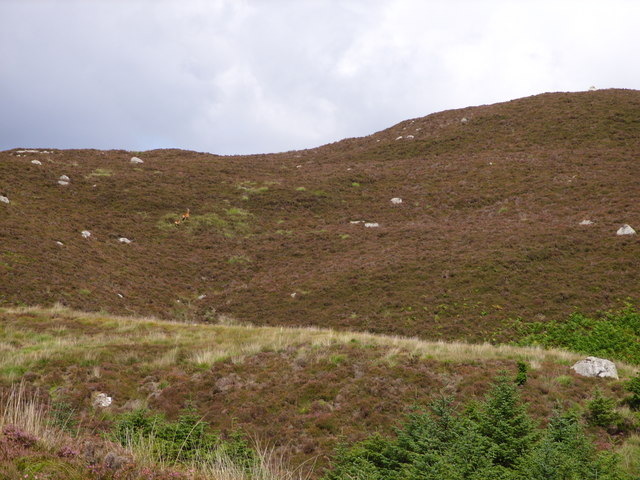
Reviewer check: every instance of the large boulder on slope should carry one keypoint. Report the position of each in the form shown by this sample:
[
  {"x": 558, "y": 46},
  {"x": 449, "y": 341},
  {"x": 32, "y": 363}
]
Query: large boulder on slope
[{"x": 596, "y": 367}]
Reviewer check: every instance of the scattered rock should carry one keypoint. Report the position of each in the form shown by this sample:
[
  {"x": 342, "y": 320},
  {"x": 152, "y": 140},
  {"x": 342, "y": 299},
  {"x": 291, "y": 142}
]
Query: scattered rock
[
  {"x": 136, "y": 160},
  {"x": 86, "y": 234},
  {"x": 64, "y": 178},
  {"x": 58, "y": 242},
  {"x": 64, "y": 183},
  {"x": 371, "y": 225},
  {"x": 124, "y": 240},
  {"x": 293, "y": 295},
  {"x": 586, "y": 222},
  {"x": 399, "y": 138},
  {"x": 36, "y": 162},
  {"x": 101, "y": 400},
  {"x": 409, "y": 137},
  {"x": 202, "y": 297},
  {"x": 626, "y": 230},
  {"x": 464, "y": 120},
  {"x": 120, "y": 295},
  {"x": 356, "y": 222},
  {"x": 596, "y": 367},
  {"x": 4, "y": 199},
  {"x": 114, "y": 461},
  {"x": 396, "y": 201}
]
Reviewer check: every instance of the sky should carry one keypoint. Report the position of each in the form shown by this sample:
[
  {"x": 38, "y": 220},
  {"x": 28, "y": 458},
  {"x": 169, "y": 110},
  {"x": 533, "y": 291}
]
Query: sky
[{"x": 262, "y": 76}]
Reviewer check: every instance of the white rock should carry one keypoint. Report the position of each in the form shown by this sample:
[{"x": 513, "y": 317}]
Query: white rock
[
  {"x": 626, "y": 230},
  {"x": 4, "y": 199},
  {"x": 596, "y": 367},
  {"x": 298, "y": 166},
  {"x": 399, "y": 138},
  {"x": 202, "y": 297},
  {"x": 136, "y": 160},
  {"x": 293, "y": 295},
  {"x": 409, "y": 137},
  {"x": 124, "y": 240},
  {"x": 396, "y": 201},
  {"x": 101, "y": 400},
  {"x": 64, "y": 178},
  {"x": 586, "y": 222},
  {"x": 59, "y": 243},
  {"x": 86, "y": 234},
  {"x": 371, "y": 225},
  {"x": 120, "y": 295},
  {"x": 36, "y": 162},
  {"x": 63, "y": 182},
  {"x": 356, "y": 222},
  {"x": 464, "y": 120}
]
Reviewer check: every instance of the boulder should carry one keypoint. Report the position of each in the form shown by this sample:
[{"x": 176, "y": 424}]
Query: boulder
[
  {"x": 36, "y": 162},
  {"x": 101, "y": 400},
  {"x": 124, "y": 240},
  {"x": 136, "y": 160},
  {"x": 85, "y": 233},
  {"x": 586, "y": 222},
  {"x": 596, "y": 367},
  {"x": 396, "y": 201},
  {"x": 371, "y": 225},
  {"x": 4, "y": 199},
  {"x": 626, "y": 230},
  {"x": 64, "y": 178}
]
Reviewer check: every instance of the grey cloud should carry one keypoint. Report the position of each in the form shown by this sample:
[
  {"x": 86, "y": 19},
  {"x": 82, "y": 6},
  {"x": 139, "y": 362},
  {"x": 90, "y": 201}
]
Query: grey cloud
[{"x": 232, "y": 76}]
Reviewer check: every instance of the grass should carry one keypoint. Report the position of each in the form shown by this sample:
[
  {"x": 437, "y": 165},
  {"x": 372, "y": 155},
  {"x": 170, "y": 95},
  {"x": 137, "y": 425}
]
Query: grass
[
  {"x": 332, "y": 377},
  {"x": 33, "y": 448},
  {"x": 232, "y": 341}
]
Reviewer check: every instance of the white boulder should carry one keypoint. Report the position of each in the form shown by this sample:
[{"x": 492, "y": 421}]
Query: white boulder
[
  {"x": 596, "y": 367},
  {"x": 64, "y": 178},
  {"x": 85, "y": 234},
  {"x": 626, "y": 230},
  {"x": 58, "y": 242},
  {"x": 396, "y": 201},
  {"x": 36, "y": 162},
  {"x": 124, "y": 240},
  {"x": 399, "y": 138},
  {"x": 4, "y": 199},
  {"x": 586, "y": 222},
  {"x": 371, "y": 225},
  {"x": 136, "y": 160},
  {"x": 64, "y": 183},
  {"x": 464, "y": 120},
  {"x": 101, "y": 400}
]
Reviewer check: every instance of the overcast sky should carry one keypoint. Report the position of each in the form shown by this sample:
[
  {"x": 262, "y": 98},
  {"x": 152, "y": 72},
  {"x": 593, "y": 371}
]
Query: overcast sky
[{"x": 259, "y": 76}]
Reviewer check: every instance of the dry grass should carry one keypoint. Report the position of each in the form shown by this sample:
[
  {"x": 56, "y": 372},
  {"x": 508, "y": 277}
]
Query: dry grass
[{"x": 209, "y": 344}]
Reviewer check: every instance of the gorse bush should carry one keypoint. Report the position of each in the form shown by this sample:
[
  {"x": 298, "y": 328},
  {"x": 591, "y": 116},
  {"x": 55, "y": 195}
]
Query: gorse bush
[
  {"x": 613, "y": 335},
  {"x": 495, "y": 439},
  {"x": 185, "y": 440}
]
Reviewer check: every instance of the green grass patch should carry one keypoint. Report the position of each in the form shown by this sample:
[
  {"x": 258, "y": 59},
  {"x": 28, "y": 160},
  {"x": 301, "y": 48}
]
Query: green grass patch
[
  {"x": 101, "y": 172},
  {"x": 612, "y": 334}
]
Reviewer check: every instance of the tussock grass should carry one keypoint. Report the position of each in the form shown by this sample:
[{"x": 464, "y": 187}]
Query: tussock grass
[{"x": 209, "y": 344}]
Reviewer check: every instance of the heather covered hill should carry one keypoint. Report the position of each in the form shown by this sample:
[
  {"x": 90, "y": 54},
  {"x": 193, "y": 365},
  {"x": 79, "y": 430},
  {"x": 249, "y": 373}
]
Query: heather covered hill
[{"x": 488, "y": 229}]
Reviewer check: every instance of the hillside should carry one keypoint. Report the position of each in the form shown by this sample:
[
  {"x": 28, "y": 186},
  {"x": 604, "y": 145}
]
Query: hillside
[
  {"x": 301, "y": 391},
  {"x": 488, "y": 229}
]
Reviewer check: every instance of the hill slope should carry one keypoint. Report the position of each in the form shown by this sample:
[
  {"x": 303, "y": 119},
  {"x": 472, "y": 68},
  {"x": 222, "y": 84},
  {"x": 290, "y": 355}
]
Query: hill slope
[
  {"x": 300, "y": 390},
  {"x": 488, "y": 229}
]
